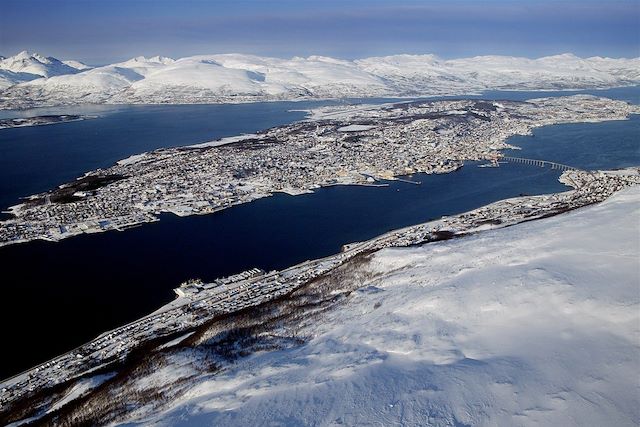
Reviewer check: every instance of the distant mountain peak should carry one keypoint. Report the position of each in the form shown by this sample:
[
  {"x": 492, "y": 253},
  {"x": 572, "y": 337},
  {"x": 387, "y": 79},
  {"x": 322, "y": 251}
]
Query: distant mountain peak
[
  {"x": 77, "y": 65},
  {"x": 154, "y": 59},
  {"x": 35, "y": 63},
  {"x": 161, "y": 59},
  {"x": 327, "y": 59},
  {"x": 25, "y": 54},
  {"x": 561, "y": 56}
]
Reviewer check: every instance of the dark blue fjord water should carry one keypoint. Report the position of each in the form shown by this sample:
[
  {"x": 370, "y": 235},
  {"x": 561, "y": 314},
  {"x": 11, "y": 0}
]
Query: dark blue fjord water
[
  {"x": 35, "y": 159},
  {"x": 605, "y": 145},
  {"x": 59, "y": 295}
]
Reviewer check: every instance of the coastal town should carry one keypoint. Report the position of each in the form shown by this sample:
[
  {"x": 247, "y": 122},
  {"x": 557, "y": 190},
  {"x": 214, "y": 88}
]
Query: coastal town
[
  {"x": 335, "y": 145},
  {"x": 198, "y": 303}
]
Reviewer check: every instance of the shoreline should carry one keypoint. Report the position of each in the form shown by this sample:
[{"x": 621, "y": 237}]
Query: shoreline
[
  {"x": 44, "y": 120},
  {"x": 448, "y": 94},
  {"x": 154, "y": 216},
  {"x": 184, "y": 314},
  {"x": 182, "y": 201}
]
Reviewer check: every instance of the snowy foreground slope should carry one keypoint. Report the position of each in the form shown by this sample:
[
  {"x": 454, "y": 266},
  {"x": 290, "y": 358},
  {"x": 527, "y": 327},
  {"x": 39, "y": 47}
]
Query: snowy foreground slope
[
  {"x": 536, "y": 324},
  {"x": 28, "y": 80}
]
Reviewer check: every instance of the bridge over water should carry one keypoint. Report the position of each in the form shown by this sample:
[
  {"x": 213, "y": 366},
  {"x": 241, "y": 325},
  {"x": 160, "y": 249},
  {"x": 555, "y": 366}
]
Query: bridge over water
[{"x": 541, "y": 163}]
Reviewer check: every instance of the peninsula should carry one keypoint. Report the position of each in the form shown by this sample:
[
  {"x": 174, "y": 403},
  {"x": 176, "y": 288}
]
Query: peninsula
[{"x": 40, "y": 120}]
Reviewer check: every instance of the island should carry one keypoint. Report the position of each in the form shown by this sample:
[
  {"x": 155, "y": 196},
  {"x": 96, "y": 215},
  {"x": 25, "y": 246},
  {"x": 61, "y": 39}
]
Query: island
[{"x": 336, "y": 145}]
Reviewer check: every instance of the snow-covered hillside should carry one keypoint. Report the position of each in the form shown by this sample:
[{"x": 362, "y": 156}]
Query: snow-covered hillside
[
  {"x": 504, "y": 72},
  {"x": 236, "y": 77},
  {"x": 34, "y": 63},
  {"x": 532, "y": 324},
  {"x": 77, "y": 65},
  {"x": 536, "y": 324},
  {"x": 27, "y": 66}
]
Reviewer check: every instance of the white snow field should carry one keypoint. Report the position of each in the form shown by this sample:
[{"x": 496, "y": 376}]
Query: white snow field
[
  {"x": 27, "y": 66},
  {"x": 39, "y": 65},
  {"x": 532, "y": 325},
  {"x": 28, "y": 80}
]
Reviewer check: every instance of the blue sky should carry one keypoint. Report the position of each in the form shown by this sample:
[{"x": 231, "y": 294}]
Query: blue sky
[{"x": 102, "y": 31}]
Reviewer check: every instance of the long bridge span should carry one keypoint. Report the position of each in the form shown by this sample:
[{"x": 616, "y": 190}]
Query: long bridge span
[{"x": 541, "y": 163}]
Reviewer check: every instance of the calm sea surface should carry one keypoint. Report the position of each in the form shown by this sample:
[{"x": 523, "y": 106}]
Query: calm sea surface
[{"x": 59, "y": 295}]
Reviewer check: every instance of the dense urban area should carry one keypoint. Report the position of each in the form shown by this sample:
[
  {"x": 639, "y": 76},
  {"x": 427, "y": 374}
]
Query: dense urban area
[
  {"x": 198, "y": 303},
  {"x": 335, "y": 145}
]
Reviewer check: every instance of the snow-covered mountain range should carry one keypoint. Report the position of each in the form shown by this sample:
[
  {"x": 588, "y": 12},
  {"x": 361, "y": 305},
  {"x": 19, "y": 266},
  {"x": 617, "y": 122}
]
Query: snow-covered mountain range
[
  {"x": 28, "y": 80},
  {"x": 26, "y": 66}
]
